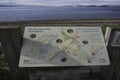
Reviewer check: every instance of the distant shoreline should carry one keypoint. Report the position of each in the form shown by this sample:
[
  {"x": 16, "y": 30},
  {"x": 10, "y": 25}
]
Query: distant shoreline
[{"x": 60, "y": 6}]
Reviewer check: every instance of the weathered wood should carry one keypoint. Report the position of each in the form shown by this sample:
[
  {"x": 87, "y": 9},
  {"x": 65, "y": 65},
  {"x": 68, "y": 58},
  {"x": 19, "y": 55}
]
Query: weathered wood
[
  {"x": 10, "y": 40},
  {"x": 110, "y": 72},
  {"x": 118, "y": 76}
]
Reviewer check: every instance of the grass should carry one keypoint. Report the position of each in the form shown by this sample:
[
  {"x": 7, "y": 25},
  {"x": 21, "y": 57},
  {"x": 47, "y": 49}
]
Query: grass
[{"x": 3, "y": 63}]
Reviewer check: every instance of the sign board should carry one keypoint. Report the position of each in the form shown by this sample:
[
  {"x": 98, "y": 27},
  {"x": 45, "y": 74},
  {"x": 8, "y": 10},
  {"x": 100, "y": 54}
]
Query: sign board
[
  {"x": 63, "y": 46},
  {"x": 116, "y": 39}
]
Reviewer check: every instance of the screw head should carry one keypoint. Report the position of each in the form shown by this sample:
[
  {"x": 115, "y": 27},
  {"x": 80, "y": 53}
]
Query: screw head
[{"x": 32, "y": 35}]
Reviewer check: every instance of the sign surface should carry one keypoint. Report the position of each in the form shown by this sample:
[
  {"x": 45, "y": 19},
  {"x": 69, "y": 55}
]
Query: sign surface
[
  {"x": 63, "y": 46},
  {"x": 116, "y": 39}
]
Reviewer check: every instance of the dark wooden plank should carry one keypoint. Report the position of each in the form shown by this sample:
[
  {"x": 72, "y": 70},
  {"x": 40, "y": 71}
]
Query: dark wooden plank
[
  {"x": 110, "y": 72},
  {"x": 10, "y": 40},
  {"x": 118, "y": 76}
]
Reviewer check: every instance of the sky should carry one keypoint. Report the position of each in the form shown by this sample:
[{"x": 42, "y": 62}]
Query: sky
[{"x": 61, "y": 2}]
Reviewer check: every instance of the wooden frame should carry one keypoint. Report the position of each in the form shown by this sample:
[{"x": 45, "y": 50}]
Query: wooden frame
[{"x": 11, "y": 42}]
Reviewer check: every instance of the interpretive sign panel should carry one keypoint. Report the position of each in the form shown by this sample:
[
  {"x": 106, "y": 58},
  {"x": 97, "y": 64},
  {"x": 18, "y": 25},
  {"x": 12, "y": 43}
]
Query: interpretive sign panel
[{"x": 63, "y": 46}]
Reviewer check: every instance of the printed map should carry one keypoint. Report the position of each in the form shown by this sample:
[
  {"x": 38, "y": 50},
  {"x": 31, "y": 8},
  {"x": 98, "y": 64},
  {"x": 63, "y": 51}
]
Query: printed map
[{"x": 63, "y": 46}]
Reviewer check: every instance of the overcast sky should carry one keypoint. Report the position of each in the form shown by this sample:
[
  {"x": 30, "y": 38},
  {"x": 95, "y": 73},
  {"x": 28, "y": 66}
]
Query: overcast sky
[{"x": 60, "y": 2}]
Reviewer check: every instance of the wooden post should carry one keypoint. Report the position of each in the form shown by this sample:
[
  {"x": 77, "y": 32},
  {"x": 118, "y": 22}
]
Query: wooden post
[
  {"x": 111, "y": 72},
  {"x": 11, "y": 42}
]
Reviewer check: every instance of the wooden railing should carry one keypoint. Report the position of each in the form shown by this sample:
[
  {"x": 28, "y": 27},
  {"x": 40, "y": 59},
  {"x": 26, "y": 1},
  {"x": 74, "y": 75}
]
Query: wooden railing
[{"x": 11, "y": 40}]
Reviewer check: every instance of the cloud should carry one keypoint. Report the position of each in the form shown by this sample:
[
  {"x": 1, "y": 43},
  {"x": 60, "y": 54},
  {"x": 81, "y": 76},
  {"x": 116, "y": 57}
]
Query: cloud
[
  {"x": 3, "y": 1},
  {"x": 7, "y": 2},
  {"x": 62, "y": 2}
]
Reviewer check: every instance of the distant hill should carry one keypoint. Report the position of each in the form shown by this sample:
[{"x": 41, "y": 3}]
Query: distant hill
[
  {"x": 93, "y": 6},
  {"x": 14, "y": 5},
  {"x": 97, "y": 5},
  {"x": 2, "y": 5}
]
